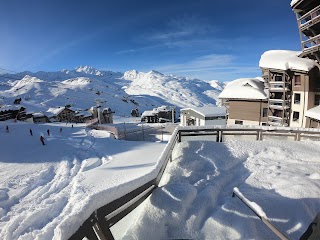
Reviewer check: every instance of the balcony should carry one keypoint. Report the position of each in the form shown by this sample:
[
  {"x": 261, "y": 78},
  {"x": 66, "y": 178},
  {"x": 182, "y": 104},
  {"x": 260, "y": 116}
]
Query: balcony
[
  {"x": 279, "y": 104},
  {"x": 309, "y": 19},
  {"x": 277, "y": 121},
  {"x": 311, "y": 45},
  {"x": 278, "y": 86}
]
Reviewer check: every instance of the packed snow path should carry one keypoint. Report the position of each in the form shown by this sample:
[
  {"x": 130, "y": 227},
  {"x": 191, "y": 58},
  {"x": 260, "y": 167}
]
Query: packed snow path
[
  {"x": 47, "y": 192},
  {"x": 195, "y": 200}
]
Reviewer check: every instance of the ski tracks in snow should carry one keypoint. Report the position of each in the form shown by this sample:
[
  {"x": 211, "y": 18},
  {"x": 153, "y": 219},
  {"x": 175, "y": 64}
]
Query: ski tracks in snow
[{"x": 44, "y": 193}]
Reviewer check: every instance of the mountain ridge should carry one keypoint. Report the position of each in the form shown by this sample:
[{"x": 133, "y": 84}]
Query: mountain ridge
[{"x": 82, "y": 86}]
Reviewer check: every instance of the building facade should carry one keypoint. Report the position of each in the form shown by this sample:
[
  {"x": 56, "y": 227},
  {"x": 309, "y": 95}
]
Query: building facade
[
  {"x": 246, "y": 101},
  {"x": 203, "y": 116}
]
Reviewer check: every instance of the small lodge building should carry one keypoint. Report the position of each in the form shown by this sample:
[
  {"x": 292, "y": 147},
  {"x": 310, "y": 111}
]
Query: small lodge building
[
  {"x": 61, "y": 114},
  {"x": 39, "y": 117},
  {"x": 159, "y": 115},
  {"x": 246, "y": 101},
  {"x": 203, "y": 116}
]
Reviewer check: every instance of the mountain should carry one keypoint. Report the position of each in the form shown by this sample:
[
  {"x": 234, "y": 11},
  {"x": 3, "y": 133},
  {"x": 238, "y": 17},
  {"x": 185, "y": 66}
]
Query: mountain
[{"x": 83, "y": 86}]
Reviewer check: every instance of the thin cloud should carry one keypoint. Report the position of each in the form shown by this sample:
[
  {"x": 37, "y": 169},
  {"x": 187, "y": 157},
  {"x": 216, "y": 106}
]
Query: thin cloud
[
  {"x": 213, "y": 66},
  {"x": 202, "y": 62}
]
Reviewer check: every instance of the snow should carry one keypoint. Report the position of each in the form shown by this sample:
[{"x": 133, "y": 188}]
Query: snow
[
  {"x": 47, "y": 192},
  {"x": 9, "y": 107},
  {"x": 293, "y": 2},
  {"x": 285, "y": 60},
  {"x": 55, "y": 111},
  {"x": 279, "y": 179},
  {"x": 244, "y": 88},
  {"x": 208, "y": 111},
  {"x": 314, "y": 113},
  {"x": 84, "y": 86}
]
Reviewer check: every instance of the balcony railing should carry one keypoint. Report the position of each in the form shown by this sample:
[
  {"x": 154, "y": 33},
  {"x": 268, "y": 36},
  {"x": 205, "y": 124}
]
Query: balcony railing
[
  {"x": 310, "y": 18},
  {"x": 277, "y": 121},
  {"x": 311, "y": 45},
  {"x": 279, "y": 104},
  {"x": 276, "y": 86}
]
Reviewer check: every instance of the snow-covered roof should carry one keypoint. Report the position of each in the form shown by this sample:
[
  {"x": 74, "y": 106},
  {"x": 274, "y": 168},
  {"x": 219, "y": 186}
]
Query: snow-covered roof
[
  {"x": 244, "y": 88},
  {"x": 155, "y": 111},
  {"x": 149, "y": 113},
  {"x": 84, "y": 114},
  {"x": 208, "y": 111},
  {"x": 9, "y": 107},
  {"x": 285, "y": 60},
  {"x": 38, "y": 114},
  {"x": 55, "y": 111},
  {"x": 314, "y": 113}
]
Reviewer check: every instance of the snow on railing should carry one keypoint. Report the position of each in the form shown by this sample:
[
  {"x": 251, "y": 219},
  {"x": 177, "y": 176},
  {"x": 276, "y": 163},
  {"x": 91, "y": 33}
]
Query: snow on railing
[{"x": 97, "y": 226}]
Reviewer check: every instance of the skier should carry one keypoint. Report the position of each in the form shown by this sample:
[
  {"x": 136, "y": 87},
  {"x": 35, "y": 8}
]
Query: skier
[
  {"x": 30, "y": 132},
  {"x": 42, "y": 140},
  {"x": 60, "y": 130},
  {"x": 48, "y": 131},
  {"x": 7, "y": 128}
]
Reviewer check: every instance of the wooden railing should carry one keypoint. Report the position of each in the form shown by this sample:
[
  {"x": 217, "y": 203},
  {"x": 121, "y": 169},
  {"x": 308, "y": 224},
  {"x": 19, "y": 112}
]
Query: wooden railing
[
  {"x": 311, "y": 45},
  {"x": 97, "y": 226},
  {"x": 310, "y": 18}
]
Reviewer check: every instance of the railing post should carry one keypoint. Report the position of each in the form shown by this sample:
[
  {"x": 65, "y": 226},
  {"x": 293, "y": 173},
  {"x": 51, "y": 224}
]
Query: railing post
[
  {"x": 179, "y": 136},
  {"x": 218, "y": 136},
  {"x": 259, "y": 135},
  {"x": 297, "y": 137}
]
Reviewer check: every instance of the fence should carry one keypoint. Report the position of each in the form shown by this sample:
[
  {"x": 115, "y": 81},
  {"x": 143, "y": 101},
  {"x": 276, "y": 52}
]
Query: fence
[{"x": 97, "y": 226}]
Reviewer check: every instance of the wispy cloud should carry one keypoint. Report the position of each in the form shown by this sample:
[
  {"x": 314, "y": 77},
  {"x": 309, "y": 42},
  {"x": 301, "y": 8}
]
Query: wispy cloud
[
  {"x": 200, "y": 63},
  {"x": 181, "y": 32},
  {"x": 213, "y": 66}
]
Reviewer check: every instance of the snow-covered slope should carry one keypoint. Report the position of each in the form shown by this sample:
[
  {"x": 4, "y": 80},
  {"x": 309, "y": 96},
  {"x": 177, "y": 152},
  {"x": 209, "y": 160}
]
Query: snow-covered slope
[
  {"x": 83, "y": 86},
  {"x": 179, "y": 91}
]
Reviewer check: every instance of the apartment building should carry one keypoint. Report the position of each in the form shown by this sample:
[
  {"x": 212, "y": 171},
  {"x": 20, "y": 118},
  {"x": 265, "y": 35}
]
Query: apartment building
[
  {"x": 294, "y": 87},
  {"x": 292, "y": 79}
]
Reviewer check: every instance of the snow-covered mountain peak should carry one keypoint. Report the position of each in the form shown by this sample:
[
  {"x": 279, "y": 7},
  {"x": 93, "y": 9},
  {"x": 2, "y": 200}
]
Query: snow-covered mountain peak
[
  {"x": 88, "y": 70},
  {"x": 154, "y": 72},
  {"x": 132, "y": 75}
]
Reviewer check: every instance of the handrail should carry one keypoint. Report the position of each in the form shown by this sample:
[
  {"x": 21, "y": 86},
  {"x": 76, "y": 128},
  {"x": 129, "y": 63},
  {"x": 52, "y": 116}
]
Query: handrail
[
  {"x": 97, "y": 226},
  {"x": 310, "y": 40},
  {"x": 309, "y": 13}
]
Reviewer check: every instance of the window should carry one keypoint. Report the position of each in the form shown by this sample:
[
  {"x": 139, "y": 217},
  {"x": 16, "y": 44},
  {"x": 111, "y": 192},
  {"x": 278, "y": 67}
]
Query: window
[
  {"x": 278, "y": 78},
  {"x": 238, "y": 122},
  {"x": 263, "y": 124},
  {"x": 265, "y": 112},
  {"x": 297, "y": 80},
  {"x": 317, "y": 100},
  {"x": 297, "y": 98},
  {"x": 295, "y": 116}
]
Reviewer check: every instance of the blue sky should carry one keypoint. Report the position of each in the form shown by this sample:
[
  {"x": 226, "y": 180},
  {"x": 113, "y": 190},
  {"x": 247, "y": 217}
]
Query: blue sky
[{"x": 207, "y": 39}]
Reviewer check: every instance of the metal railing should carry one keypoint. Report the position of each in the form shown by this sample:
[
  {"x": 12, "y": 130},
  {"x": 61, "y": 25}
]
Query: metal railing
[{"x": 97, "y": 226}]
